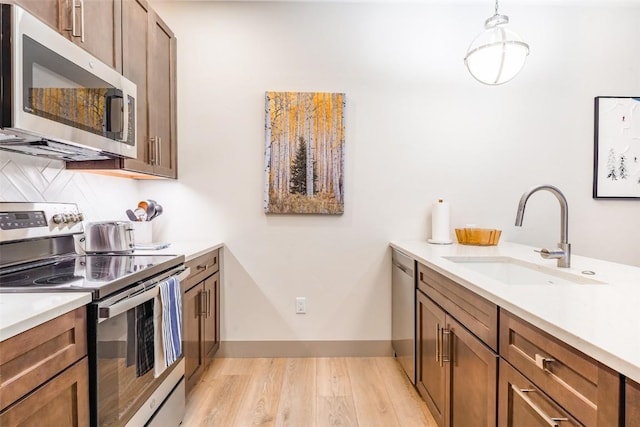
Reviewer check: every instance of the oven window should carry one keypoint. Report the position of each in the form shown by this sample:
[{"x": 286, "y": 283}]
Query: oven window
[{"x": 125, "y": 364}]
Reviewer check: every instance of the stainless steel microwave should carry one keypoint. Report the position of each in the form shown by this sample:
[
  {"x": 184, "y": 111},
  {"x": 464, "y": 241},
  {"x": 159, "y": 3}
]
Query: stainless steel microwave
[{"x": 58, "y": 100}]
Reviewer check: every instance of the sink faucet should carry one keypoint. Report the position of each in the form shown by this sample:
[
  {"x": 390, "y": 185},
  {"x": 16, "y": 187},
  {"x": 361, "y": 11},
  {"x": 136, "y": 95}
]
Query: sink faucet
[{"x": 563, "y": 252}]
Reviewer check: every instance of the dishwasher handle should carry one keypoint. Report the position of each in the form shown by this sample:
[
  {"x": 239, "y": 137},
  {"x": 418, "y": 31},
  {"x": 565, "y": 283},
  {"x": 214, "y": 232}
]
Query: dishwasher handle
[
  {"x": 135, "y": 299},
  {"x": 406, "y": 270}
]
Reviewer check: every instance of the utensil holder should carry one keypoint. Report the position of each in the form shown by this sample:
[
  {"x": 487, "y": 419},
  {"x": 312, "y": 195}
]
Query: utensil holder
[{"x": 143, "y": 232}]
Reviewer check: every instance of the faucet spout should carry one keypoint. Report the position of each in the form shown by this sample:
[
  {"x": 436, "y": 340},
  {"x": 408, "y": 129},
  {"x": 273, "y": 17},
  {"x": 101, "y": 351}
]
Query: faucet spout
[{"x": 564, "y": 258}]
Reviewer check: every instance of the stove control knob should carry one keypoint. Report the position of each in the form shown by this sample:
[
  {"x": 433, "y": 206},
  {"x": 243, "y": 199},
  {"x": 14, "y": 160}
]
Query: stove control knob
[
  {"x": 80, "y": 216},
  {"x": 72, "y": 217},
  {"x": 59, "y": 218}
]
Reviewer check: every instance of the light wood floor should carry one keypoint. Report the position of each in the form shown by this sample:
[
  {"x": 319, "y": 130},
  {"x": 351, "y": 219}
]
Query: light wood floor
[{"x": 306, "y": 392}]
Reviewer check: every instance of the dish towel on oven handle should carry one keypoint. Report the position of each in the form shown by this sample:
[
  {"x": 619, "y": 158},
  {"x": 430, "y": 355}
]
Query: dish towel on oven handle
[{"x": 168, "y": 325}]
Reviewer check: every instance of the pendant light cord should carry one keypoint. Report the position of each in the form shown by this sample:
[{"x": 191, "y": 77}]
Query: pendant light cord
[{"x": 496, "y": 7}]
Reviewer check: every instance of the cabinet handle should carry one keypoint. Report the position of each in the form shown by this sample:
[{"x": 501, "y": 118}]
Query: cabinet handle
[
  {"x": 198, "y": 302},
  {"x": 205, "y": 296},
  {"x": 72, "y": 9},
  {"x": 541, "y": 361},
  {"x": 158, "y": 150},
  {"x": 151, "y": 147},
  {"x": 203, "y": 303},
  {"x": 437, "y": 342},
  {"x": 446, "y": 348},
  {"x": 208, "y": 302},
  {"x": 76, "y": 4},
  {"x": 202, "y": 267},
  {"x": 551, "y": 421},
  {"x": 82, "y": 21}
]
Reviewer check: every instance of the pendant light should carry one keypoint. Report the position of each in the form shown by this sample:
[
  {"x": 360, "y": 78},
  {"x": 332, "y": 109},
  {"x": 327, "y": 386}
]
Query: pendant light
[{"x": 496, "y": 55}]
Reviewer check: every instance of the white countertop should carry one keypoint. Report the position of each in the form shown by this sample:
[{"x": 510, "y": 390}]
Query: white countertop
[
  {"x": 22, "y": 311},
  {"x": 601, "y": 320},
  {"x": 190, "y": 250}
]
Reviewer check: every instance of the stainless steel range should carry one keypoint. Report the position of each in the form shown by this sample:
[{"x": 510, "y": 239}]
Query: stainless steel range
[{"x": 37, "y": 254}]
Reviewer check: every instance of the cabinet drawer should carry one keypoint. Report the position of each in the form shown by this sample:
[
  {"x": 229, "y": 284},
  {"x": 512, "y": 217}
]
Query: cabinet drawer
[
  {"x": 582, "y": 386},
  {"x": 523, "y": 404},
  {"x": 63, "y": 401},
  {"x": 31, "y": 358},
  {"x": 201, "y": 268},
  {"x": 476, "y": 313}
]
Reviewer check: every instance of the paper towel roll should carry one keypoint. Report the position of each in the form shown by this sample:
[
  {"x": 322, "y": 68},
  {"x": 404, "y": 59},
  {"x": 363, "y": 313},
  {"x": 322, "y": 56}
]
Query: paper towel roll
[{"x": 440, "y": 226}]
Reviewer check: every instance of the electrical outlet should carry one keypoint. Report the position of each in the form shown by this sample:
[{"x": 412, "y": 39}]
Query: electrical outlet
[{"x": 301, "y": 305}]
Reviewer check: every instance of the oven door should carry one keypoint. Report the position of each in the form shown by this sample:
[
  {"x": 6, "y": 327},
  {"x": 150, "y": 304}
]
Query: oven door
[{"x": 122, "y": 372}]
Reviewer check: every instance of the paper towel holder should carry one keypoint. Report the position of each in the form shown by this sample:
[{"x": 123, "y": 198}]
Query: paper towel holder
[{"x": 440, "y": 219}]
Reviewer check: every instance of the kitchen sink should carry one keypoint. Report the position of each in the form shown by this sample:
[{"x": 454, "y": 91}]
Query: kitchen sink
[{"x": 513, "y": 271}]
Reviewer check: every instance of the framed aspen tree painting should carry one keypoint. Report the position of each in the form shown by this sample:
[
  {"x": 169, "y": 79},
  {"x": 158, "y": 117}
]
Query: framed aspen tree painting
[
  {"x": 617, "y": 148},
  {"x": 304, "y": 153}
]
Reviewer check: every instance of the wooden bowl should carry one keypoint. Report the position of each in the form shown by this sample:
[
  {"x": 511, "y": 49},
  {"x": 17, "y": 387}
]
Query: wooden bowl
[{"x": 478, "y": 236}]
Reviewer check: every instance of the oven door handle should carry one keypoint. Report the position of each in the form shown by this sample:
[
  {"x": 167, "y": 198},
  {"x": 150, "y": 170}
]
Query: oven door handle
[{"x": 135, "y": 299}]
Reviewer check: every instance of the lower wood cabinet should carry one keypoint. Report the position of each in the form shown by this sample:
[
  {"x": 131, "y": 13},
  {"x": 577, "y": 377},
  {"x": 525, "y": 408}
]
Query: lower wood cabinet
[
  {"x": 480, "y": 365},
  {"x": 456, "y": 371},
  {"x": 44, "y": 374},
  {"x": 574, "y": 381},
  {"x": 632, "y": 405},
  {"x": 62, "y": 401},
  {"x": 522, "y": 404},
  {"x": 201, "y": 315}
]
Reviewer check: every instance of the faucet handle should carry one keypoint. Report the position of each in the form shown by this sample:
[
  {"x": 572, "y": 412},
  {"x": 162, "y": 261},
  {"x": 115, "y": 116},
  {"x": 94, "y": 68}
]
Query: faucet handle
[{"x": 551, "y": 253}]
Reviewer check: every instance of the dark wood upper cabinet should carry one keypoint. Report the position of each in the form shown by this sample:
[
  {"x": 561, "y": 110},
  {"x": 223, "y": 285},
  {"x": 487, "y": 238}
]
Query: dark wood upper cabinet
[
  {"x": 98, "y": 27},
  {"x": 94, "y": 25},
  {"x": 148, "y": 60},
  {"x": 48, "y": 11},
  {"x": 162, "y": 98}
]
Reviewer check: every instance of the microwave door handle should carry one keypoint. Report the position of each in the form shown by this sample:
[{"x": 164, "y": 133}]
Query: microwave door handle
[
  {"x": 122, "y": 306},
  {"x": 125, "y": 117},
  {"x": 115, "y": 110}
]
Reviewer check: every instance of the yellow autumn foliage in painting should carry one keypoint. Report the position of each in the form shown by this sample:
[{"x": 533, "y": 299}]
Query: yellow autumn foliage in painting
[{"x": 304, "y": 152}]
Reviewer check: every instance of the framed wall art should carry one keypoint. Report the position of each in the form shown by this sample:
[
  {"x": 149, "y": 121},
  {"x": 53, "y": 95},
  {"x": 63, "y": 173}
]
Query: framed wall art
[
  {"x": 616, "y": 173},
  {"x": 304, "y": 153}
]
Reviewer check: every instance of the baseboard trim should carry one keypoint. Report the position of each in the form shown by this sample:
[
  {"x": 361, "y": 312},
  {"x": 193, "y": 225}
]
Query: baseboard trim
[{"x": 305, "y": 349}]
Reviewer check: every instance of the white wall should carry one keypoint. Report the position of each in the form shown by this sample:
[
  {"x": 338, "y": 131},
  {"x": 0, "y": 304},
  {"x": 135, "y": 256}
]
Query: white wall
[{"x": 418, "y": 127}]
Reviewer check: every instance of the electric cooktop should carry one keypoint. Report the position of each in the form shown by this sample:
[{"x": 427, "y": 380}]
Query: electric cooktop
[{"x": 99, "y": 274}]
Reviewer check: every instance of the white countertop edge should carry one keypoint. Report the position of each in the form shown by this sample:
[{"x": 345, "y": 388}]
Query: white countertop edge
[
  {"x": 604, "y": 356},
  {"x": 193, "y": 255},
  {"x": 23, "y": 311},
  {"x": 190, "y": 250}
]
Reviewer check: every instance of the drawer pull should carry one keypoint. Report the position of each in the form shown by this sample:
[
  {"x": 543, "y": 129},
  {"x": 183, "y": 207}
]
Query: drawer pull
[
  {"x": 202, "y": 267},
  {"x": 541, "y": 361},
  {"x": 522, "y": 393}
]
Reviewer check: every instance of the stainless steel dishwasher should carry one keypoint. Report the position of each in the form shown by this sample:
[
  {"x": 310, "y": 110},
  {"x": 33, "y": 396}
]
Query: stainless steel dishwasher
[{"x": 403, "y": 307}]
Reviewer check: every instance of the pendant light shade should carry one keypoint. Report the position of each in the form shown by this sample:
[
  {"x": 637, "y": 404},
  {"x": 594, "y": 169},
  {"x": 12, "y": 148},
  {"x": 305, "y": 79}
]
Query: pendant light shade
[{"x": 496, "y": 55}]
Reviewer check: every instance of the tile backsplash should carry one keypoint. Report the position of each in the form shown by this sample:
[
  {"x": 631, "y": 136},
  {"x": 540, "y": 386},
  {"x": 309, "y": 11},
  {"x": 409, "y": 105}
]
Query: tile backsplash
[{"x": 34, "y": 179}]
